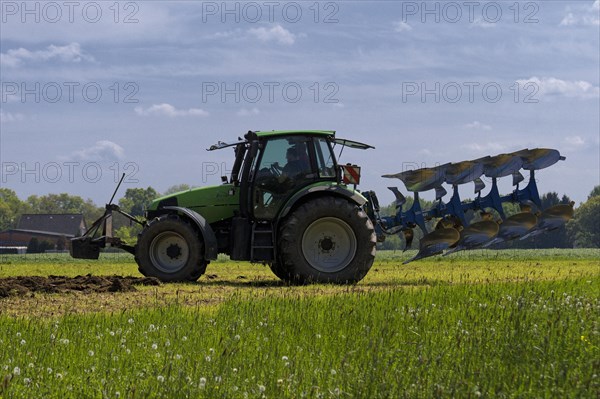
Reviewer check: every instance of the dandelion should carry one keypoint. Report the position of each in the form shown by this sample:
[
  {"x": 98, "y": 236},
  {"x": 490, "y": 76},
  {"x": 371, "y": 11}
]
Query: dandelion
[
  {"x": 17, "y": 371},
  {"x": 118, "y": 394},
  {"x": 112, "y": 333},
  {"x": 27, "y": 381},
  {"x": 333, "y": 372},
  {"x": 30, "y": 365},
  {"x": 168, "y": 343},
  {"x": 279, "y": 381},
  {"x": 235, "y": 370},
  {"x": 202, "y": 382},
  {"x": 64, "y": 341},
  {"x": 208, "y": 358},
  {"x": 23, "y": 342},
  {"x": 184, "y": 338},
  {"x": 261, "y": 388},
  {"x": 18, "y": 334},
  {"x": 49, "y": 370},
  {"x": 59, "y": 376},
  {"x": 160, "y": 378},
  {"x": 91, "y": 353},
  {"x": 284, "y": 358},
  {"x": 177, "y": 357},
  {"x": 154, "y": 346},
  {"x": 218, "y": 379},
  {"x": 236, "y": 337},
  {"x": 318, "y": 336},
  {"x": 130, "y": 321}
]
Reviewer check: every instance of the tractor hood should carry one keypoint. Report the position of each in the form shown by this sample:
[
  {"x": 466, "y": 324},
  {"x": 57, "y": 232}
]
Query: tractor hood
[{"x": 214, "y": 203}]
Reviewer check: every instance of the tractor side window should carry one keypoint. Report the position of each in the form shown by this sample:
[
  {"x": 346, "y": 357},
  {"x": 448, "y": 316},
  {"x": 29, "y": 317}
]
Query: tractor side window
[
  {"x": 284, "y": 167},
  {"x": 324, "y": 158}
]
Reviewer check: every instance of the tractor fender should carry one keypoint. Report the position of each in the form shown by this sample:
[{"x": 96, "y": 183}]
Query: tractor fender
[
  {"x": 210, "y": 240},
  {"x": 322, "y": 189}
]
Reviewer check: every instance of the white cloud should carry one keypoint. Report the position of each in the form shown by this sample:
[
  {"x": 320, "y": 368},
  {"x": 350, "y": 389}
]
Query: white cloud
[
  {"x": 101, "y": 151},
  {"x": 476, "y": 125},
  {"x": 248, "y": 112},
  {"x": 481, "y": 23},
  {"x": 169, "y": 110},
  {"x": 486, "y": 147},
  {"x": 401, "y": 26},
  {"x": 574, "y": 141},
  {"x": 277, "y": 33},
  {"x": 69, "y": 53},
  {"x": 558, "y": 87},
  {"x": 6, "y": 117},
  {"x": 586, "y": 17}
]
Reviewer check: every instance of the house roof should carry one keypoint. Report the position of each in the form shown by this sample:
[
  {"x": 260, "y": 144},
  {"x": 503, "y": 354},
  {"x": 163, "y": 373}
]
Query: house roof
[{"x": 67, "y": 224}]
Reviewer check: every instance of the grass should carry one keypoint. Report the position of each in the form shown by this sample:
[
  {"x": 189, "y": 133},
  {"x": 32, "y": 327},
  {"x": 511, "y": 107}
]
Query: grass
[{"x": 515, "y": 324}]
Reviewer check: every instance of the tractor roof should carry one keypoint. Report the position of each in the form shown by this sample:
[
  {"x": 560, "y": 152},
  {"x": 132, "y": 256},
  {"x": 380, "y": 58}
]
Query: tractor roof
[
  {"x": 329, "y": 134},
  {"x": 289, "y": 132}
]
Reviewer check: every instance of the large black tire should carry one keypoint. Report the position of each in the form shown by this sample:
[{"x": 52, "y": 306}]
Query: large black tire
[
  {"x": 170, "y": 249},
  {"x": 325, "y": 240}
]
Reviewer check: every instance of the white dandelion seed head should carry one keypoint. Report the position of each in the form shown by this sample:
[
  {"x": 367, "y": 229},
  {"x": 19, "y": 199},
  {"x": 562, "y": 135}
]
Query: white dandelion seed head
[
  {"x": 160, "y": 378},
  {"x": 17, "y": 371}
]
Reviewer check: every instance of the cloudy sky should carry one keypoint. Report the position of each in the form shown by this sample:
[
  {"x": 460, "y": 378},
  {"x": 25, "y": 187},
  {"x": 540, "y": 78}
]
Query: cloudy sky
[{"x": 94, "y": 89}]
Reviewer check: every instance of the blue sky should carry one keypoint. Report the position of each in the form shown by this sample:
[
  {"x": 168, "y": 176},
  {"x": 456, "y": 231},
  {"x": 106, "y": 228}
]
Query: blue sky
[{"x": 93, "y": 89}]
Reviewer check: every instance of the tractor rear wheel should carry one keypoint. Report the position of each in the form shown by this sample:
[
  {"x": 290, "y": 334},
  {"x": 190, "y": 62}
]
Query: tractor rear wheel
[
  {"x": 325, "y": 240},
  {"x": 170, "y": 249}
]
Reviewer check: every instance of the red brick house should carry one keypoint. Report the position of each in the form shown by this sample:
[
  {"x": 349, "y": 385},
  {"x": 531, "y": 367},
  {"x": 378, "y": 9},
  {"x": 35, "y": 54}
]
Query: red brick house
[{"x": 45, "y": 227}]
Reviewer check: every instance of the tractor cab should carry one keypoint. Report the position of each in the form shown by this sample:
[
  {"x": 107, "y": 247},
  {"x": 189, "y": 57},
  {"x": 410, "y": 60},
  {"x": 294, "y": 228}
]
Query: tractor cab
[{"x": 271, "y": 167}]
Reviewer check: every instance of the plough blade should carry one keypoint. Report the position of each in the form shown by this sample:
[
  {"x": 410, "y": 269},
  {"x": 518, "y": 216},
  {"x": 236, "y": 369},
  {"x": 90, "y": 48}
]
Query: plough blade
[
  {"x": 436, "y": 242},
  {"x": 501, "y": 165},
  {"x": 514, "y": 227},
  {"x": 475, "y": 236},
  {"x": 552, "y": 219},
  {"x": 463, "y": 172},
  {"x": 539, "y": 158},
  {"x": 423, "y": 179}
]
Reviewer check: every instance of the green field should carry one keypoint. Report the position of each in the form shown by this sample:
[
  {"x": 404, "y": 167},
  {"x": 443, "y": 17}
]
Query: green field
[{"x": 514, "y": 324}]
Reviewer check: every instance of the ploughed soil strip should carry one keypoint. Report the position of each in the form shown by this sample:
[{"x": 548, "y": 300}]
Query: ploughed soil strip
[{"x": 24, "y": 285}]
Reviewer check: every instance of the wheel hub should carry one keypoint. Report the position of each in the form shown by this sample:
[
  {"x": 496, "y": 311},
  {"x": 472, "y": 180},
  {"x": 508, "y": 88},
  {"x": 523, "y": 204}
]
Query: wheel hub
[
  {"x": 329, "y": 244},
  {"x": 173, "y": 251},
  {"x": 326, "y": 244},
  {"x": 169, "y": 252}
]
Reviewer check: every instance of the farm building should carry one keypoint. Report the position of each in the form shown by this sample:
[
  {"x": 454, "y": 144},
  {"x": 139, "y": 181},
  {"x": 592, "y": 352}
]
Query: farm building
[{"x": 55, "y": 230}]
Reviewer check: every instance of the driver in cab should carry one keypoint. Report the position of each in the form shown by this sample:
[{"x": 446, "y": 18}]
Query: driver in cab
[{"x": 294, "y": 165}]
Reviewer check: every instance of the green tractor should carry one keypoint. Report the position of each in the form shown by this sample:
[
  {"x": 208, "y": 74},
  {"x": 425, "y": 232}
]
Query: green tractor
[{"x": 287, "y": 204}]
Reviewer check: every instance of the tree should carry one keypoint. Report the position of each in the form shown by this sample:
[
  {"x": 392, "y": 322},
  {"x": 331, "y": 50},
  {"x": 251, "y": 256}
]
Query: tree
[
  {"x": 11, "y": 208},
  {"x": 64, "y": 203},
  {"x": 585, "y": 226},
  {"x": 595, "y": 192},
  {"x": 177, "y": 188},
  {"x": 136, "y": 200}
]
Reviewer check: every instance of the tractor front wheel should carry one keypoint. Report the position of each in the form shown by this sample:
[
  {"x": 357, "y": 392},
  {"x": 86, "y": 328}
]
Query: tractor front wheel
[
  {"x": 325, "y": 240},
  {"x": 170, "y": 249}
]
